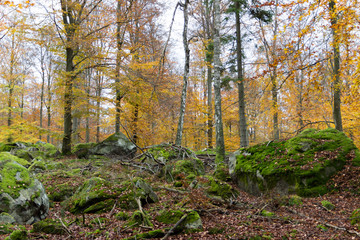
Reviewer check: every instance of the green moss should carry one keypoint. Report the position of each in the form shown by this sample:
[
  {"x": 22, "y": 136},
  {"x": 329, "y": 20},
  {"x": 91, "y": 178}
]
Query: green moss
[
  {"x": 49, "y": 226},
  {"x": 328, "y": 205},
  {"x": 305, "y": 162},
  {"x": 138, "y": 218},
  {"x": 222, "y": 173},
  {"x": 295, "y": 200},
  {"x": 355, "y": 217},
  {"x": 122, "y": 216},
  {"x": 14, "y": 176},
  {"x": 169, "y": 216},
  {"x": 188, "y": 167},
  {"x": 147, "y": 235},
  {"x": 100, "y": 207},
  {"x": 6, "y": 229},
  {"x": 7, "y": 147},
  {"x": 267, "y": 213},
  {"x": 18, "y": 235},
  {"x": 219, "y": 188}
]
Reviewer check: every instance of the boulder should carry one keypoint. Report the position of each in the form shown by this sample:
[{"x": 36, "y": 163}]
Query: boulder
[
  {"x": 116, "y": 144},
  {"x": 98, "y": 195},
  {"x": 301, "y": 165},
  {"x": 192, "y": 222},
  {"x": 21, "y": 196}
]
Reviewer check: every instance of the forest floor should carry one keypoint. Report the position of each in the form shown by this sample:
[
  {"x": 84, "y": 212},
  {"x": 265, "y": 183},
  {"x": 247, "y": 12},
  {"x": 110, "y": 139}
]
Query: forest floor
[{"x": 239, "y": 219}]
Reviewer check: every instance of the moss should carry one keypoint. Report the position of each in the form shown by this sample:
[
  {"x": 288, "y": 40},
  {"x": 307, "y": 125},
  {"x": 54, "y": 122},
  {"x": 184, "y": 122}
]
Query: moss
[
  {"x": 305, "y": 163},
  {"x": 49, "y": 226},
  {"x": 216, "y": 230},
  {"x": 100, "y": 207},
  {"x": 18, "y": 235},
  {"x": 328, "y": 205},
  {"x": 138, "y": 218},
  {"x": 267, "y": 213},
  {"x": 147, "y": 235},
  {"x": 295, "y": 200},
  {"x": 355, "y": 217},
  {"x": 5, "y": 156},
  {"x": 122, "y": 216},
  {"x": 7, "y": 147},
  {"x": 220, "y": 188},
  {"x": 6, "y": 229},
  {"x": 14, "y": 176},
  {"x": 188, "y": 167},
  {"x": 169, "y": 216},
  {"x": 222, "y": 173}
]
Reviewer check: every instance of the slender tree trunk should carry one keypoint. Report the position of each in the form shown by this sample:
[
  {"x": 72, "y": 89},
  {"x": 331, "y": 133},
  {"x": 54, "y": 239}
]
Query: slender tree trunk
[
  {"x": 244, "y": 142},
  {"x": 117, "y": 70},
  {"x": 220, "y": 144},
  {"x": 135, "y": 122},
  {"x": 98, "y": 108},
  {"x": 274, "y": 90},
  {"x": 48, "y": 108},
  {"x": 185, "y": 78},
  {"x": 336, "y": 68},
  {"x": 42, "y": 93},
  {"x": 209, "y": 60}
]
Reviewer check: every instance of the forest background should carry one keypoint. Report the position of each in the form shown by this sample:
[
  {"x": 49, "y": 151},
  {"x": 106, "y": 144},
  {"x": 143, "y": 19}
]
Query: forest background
[{"x": 77, "y": 71}]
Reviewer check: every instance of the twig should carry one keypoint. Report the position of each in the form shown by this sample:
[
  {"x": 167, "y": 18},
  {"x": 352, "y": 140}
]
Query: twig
[
  {"x": 174, "y": 227},
  {"x": 66, "y": 228},
  {"x": 113, "y": 208}
]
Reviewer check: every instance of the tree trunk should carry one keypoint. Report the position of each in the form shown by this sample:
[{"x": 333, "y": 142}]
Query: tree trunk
[
  {"x": 244, "y": 142},
  {"x": 68, "y": 100},
  {"x": 117, "y": 70},
  {"x": 48, "y": 108},
  {"x": 336, "y": 68},
  {"x": 185, "y": 78},
  {"x": 220, "y": 144}
]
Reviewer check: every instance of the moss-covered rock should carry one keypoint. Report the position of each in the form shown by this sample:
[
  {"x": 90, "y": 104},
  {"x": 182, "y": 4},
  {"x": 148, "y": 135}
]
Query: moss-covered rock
[
  {"x": 188, "y": 167},
  {"x": 295, "y": 200},
  {"x": 6, "y": 218},
  {"x": 21, "y": 195},
  {"x": 216, "y": 187},
  {"x": 192, "y": 222},
  {"x": 49, "y": 226},
  {"x": 266, "y": 213},
  {"x": 82, "y": 150},
  {"x": 148, "y": 235},
  {"x": 122, "y": 216},
  {"x": 18, "y": 235},
  {"x": 328, "y": 205},
  {"x": 98, "y": 195},
  {"x": 139, "y": 218},
  {"x": 301, "y": 165},
  {"x": 116, "y": 144}
]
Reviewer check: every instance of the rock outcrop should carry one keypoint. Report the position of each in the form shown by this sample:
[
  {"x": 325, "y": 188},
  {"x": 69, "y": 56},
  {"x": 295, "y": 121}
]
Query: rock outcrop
[{"x": 301, "y": 165}]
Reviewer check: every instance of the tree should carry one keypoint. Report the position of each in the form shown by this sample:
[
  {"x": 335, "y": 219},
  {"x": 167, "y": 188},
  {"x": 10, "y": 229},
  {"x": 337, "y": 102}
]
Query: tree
[
  {"x": 186, "y": 73},
  {"x": 220, "y": 144}
]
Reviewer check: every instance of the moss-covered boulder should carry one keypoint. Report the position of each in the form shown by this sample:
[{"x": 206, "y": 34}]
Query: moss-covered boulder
[
  {"x": 49, "y": 226},
  {"x": 21, "y": 195},
  {"x": 29, "y": 151},
  {"x": 82, "y": 150},
  {"x": 18, "y": 235},
  {"x": 116, "y": 144},
  {"x": 218, "y": 188},
  {"x": 155, "y": 234},
  {"x": 192, "y": 222},
  {"x": 188, "y": 167},
  {"x": 301, "y": 165},
  {"x": 98, "y": 195}
]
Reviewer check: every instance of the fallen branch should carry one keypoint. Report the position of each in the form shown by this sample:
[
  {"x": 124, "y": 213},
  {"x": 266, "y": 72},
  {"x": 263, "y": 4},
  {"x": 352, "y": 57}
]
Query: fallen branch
[
  {"x": 138, "y": 166},
  {"x": 174, "y": 227}
]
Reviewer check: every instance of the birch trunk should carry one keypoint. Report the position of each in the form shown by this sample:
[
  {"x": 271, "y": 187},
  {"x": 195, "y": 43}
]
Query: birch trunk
[{"x": 185, "y": 77}]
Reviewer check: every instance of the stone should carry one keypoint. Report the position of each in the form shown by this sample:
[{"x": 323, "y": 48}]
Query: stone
[
  {"x": 191, "y": 223},
  {"x": 116, "y": 144},
  {"x": 301, "y": 165},
  {"x": 21, "y": 196}
]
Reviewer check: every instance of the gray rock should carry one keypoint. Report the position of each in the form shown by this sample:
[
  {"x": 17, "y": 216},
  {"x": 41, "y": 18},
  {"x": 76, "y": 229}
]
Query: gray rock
[{"x": 116, "y": 144}]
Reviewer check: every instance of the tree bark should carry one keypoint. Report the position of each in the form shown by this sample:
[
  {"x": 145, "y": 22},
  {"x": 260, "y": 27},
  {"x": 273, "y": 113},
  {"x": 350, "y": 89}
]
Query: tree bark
[
  {"x": 244, "y": 142},
  {"x": 336, "y": 68},
  {"x": 220, "y": 144},
  {"x": 185, "y": 77}
]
